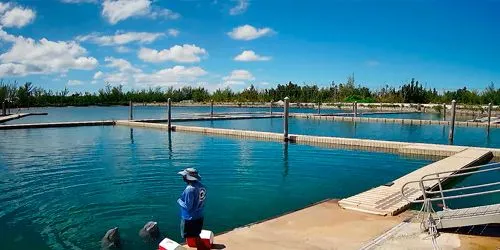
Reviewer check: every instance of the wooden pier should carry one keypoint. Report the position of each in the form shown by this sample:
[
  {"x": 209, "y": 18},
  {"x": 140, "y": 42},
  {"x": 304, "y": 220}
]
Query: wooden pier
[
  {"x": 216, "y": 117},
  {"x": 112, "y": 122},
  {"x": 57, "y": 125},
  {"x": 387, "y": 199},
  {"x": 17, "y": 116},
  {"x": 406, "y": 148},
  {"x": 344, "y": 118}
]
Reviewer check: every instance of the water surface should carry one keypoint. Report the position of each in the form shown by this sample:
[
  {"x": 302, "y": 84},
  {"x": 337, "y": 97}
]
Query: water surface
[{"x": 62, "y": 188}]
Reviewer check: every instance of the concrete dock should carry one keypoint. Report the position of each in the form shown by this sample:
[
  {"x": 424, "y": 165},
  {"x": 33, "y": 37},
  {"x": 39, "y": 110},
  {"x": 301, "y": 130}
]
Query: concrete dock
[
  {"x": 387, "y": 199},
  {"x": 327, "y": 226},
  {"x": 17, "y": 116}
]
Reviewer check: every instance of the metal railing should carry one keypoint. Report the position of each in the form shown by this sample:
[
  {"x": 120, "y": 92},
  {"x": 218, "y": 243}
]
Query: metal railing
[
  {"x": 428, "y": 222},
  {"x": 428, "y": 191}
]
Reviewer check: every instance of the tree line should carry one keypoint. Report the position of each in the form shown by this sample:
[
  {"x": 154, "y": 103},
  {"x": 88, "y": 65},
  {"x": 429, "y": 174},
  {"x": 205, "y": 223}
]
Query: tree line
[{"x": 27, "y": 95}]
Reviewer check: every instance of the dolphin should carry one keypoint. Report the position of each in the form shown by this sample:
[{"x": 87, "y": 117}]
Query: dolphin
[
  {"x": 150, "y": 231},
  {"x": 111, "y": 239}
]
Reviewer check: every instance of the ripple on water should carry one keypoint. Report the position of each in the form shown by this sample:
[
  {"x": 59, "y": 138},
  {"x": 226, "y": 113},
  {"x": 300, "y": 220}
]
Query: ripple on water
[{"x": 63, "y": 188}]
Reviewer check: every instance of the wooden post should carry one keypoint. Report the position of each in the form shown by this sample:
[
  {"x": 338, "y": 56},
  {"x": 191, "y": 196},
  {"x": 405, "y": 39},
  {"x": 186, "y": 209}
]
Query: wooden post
[
  {"x": 285, "y": 119},
  {"x": 4, "y": 110},
  {"x": 319, "y": 108},
  {"x": 169, "y": 115},
  {"x": 355, "y": 109},
  {"x": 444, "y": 111},
  {"x": 452, "y": 125},
  {"x": 271, "y": 107},
  {"x": 131, "y": 111},
  {"x": 211, "y": 108},
  {"x": 489, "y": 116}
]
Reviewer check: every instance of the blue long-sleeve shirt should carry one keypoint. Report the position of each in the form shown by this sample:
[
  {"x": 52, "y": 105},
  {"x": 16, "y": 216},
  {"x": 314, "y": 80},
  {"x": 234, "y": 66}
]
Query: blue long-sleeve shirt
[{"x": 192, "y": 201}]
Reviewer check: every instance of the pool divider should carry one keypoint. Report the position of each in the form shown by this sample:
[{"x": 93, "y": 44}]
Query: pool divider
[
  {"x": 391, "y": 120},
  {"x": 17, "y": 116},
  {"x": 405, "y": 148},
  {"x": 57, "y": 124},
  {"x": 112, "y": 122}
]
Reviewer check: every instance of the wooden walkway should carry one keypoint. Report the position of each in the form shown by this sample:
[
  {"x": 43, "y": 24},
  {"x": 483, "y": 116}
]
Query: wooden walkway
[
  {"x": 57, "y": 124},
  {"x": 387, "y": 199},
  {"x": 343, "y": 118},
  {"x": 112, "y": 122},
  {"x": 17, "y": 116},
  {"x": 215, "y": 117}
]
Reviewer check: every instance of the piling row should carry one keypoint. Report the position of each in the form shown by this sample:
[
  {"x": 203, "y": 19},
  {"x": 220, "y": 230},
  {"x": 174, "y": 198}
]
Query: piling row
[{"x": 393, "y": 120}]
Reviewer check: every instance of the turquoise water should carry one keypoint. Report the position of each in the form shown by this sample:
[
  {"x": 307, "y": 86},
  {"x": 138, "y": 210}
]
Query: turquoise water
[
  {"x": 63, "y": 188},
  {"x": 470, "y": 136}
]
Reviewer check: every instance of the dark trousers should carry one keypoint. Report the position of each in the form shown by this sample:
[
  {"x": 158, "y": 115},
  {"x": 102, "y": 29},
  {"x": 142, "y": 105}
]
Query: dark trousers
[{"x": 191, "y": 228}]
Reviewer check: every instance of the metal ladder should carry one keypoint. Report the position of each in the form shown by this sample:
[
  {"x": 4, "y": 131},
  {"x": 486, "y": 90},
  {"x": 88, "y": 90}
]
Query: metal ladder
[{"x": 450, "y": 218}]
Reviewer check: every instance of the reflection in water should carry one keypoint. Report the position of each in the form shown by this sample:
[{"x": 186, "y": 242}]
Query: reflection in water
[
  {"x": 285, "y": 159},
  {"x": 353, "y": 129},
  {"x": 169, "y": 138},
  {"x": 132, "y": 136}
]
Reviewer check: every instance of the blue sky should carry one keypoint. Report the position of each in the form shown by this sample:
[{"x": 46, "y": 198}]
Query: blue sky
[{"x": 82, "y": 44}]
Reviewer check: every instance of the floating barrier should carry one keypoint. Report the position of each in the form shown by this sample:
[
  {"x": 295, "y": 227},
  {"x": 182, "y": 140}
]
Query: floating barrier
[{"x": 336, "y": 117}]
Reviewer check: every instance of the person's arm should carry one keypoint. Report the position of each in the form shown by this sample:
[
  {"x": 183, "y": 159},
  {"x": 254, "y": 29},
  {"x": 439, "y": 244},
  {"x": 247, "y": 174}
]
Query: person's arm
[{"x": 187, "y": 199}]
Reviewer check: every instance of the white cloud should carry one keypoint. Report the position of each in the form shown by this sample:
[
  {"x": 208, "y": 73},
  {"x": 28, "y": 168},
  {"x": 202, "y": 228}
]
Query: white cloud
[
  {"x": 79, "y": 1},
  {"x": 122, "y": 49},
  {"x": 164, "y": 13},
  {"x": 173, "y": 32},
  {"x": 27, "y": 56},
  {"x": 98, "y": 75},
  {"x": 74, "y": 82},
  {"x": 248, "y": 32},
  {"x": 184, "y": 54},
  {"x": 12, "y": 69},
  {"x": 120, "y": 38},
  {"x": 4, "y": 7},
  {"x": 15, "y": 16},
  {"x": 121, "y": 64},
  {"x": 240, "y": 8},
  {"x": 238, "y": 77},
  {"x": 176, "y": 75},
  {"x": 123, "y": 72},
  {"x": 118, "y": 10},
  {"x": 249, "y": 55}
]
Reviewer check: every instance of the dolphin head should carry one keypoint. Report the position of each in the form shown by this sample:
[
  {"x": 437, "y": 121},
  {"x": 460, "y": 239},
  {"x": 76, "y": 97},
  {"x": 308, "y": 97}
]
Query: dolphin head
[
  {"x": 112, "y": 237},
  {"x": 150, "y": 230},
  {"x": 151, "y": 226}
]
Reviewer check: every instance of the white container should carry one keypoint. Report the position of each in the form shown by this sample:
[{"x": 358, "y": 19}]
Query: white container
[{"x": 168, "y": 244}]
